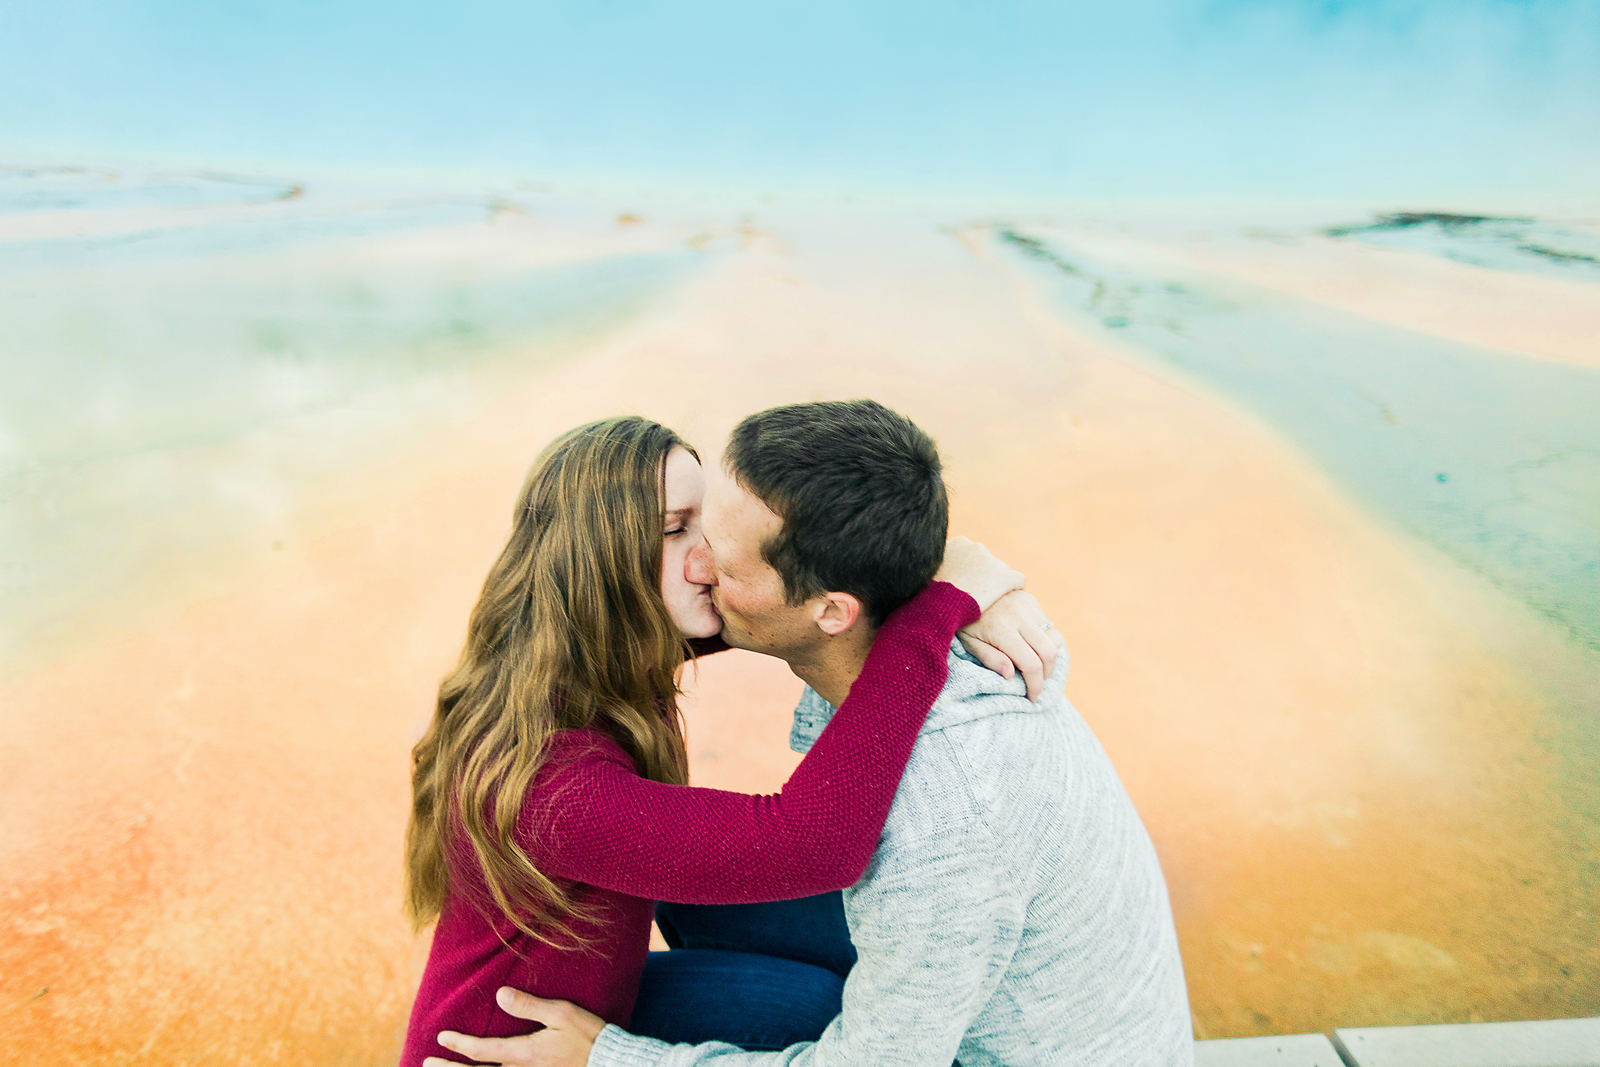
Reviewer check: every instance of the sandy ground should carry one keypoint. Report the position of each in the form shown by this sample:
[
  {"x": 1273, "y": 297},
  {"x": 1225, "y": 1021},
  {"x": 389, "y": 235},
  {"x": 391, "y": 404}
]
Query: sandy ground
[{"x": 1341, "y": 746}]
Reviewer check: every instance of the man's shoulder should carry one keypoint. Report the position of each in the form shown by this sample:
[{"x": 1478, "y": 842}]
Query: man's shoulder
[
  {"x": 986, "y": 756},
  {"x": 973, "y": 693}
]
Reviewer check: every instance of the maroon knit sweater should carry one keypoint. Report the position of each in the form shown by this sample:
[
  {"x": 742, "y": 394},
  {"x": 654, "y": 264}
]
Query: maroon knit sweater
[{"x": 617, "y": 843}]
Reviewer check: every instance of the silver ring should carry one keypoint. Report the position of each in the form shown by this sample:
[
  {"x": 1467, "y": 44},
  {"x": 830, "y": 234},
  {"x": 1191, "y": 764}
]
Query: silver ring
[{"x": 1048, "y": 625}]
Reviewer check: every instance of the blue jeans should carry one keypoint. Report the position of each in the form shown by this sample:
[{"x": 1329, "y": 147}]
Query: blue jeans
[{"x": 760, "y": 976}]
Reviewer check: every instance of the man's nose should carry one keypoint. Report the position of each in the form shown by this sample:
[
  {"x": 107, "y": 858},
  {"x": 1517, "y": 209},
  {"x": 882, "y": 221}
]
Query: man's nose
[{"x": 697, "y": 566}]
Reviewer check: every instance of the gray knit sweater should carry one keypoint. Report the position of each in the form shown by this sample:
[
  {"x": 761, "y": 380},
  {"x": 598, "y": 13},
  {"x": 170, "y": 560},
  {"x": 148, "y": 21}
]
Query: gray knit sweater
[{"x": 1014, "y": 912}]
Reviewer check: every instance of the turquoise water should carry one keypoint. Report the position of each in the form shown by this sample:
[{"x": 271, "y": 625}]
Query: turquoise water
[
  {"x": 1492, "y": 458},
  {"x": 157, "y": 244},
  {"x": 143, "y": 355},
  {"x": 27, "y": 189},
  {"x": 1535, "y": 246},
  {"x": 172, "y": 390}
]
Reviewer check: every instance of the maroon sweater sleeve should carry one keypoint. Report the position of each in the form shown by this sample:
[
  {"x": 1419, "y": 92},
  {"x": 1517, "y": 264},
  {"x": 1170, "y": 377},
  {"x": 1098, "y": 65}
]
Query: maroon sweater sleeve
[{"x": 597, "y": 821}]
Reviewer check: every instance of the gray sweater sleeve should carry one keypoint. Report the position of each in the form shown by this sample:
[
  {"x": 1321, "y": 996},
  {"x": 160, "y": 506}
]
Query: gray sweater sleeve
[{"x": 935, "y": 922}]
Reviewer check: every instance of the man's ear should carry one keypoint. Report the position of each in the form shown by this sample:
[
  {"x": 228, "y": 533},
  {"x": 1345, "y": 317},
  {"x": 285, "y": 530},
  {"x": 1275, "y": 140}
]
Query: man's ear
[{"x": 837, "y": 612}]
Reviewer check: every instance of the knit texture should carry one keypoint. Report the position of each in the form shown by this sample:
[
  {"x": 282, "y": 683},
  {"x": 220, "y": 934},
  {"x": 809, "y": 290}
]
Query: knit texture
[
  {"x": 1015, "y": 912},
  {"x": 616, "y": 842}
]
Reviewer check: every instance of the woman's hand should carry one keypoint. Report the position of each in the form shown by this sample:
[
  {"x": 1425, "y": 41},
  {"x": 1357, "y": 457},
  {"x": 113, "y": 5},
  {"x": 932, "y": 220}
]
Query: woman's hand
[
  {"x": 565, "y": 1041},
  {"x": 1014, "y": 635},
  {"x": 972, "y": 569}
]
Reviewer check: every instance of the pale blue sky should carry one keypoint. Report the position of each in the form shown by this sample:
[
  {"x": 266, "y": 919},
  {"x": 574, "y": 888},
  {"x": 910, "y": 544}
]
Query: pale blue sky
[{"x": 1140, "y": 97}]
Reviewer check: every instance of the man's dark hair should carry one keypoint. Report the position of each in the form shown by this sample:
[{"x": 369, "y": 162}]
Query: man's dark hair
[{"x": 859, "y": 490}]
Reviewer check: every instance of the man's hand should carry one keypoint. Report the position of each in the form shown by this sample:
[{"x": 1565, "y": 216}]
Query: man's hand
[
  {"x": 972, "y": 569},
  {"x": 1014, "y": 635},
  {"x": 565, "y": 1041}
]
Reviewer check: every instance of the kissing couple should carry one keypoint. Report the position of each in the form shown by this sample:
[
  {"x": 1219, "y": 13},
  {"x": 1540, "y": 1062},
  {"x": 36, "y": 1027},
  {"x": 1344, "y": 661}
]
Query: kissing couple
[{"x": 953, "y": 873}]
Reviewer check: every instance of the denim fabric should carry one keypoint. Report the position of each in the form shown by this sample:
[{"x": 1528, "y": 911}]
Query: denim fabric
[
  {"x": 809, "y": 930},
  {"x": 760, "y": 976}
]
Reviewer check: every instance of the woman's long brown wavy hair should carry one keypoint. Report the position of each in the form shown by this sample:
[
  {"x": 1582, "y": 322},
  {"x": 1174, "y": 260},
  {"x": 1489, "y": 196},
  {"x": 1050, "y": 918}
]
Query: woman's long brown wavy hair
[{"x": 570, "y": 632}]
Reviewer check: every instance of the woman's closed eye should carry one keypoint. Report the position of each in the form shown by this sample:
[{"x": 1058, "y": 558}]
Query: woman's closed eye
[{"x": 675, "y": 530}]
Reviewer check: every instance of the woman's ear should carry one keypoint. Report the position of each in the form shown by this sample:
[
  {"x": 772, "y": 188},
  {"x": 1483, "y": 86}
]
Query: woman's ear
[{"x": 837, "y": 612}]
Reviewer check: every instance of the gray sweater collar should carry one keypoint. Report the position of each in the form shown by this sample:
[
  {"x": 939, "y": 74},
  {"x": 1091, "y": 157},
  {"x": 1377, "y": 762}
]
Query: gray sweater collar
[{"x": 971, "y": 692}]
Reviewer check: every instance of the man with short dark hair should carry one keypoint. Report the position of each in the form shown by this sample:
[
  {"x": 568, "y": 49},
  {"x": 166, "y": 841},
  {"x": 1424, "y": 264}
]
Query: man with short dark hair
[
  {"x": 861, "y": 494},
  {"x": 1014, "y": 912}
]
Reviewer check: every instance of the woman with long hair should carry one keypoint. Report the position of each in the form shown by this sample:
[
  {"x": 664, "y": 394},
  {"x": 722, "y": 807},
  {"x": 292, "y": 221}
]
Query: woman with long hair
[{"x": 550, "y": 801}]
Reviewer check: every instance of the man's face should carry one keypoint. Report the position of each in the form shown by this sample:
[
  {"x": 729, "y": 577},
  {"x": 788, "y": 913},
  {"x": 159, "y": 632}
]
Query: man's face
[{"x": 745, "y": 589}]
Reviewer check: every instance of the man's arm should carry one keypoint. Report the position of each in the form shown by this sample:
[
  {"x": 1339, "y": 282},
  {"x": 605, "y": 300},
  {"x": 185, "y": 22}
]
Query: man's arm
[{"x": 935, "y": 922}]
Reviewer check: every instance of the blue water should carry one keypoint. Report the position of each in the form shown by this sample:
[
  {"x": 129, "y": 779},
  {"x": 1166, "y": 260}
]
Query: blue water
[
  {"x": 1535, "y": 246},
  {"x": 155, "y": 244},
  {"x": 166, "y": 392},
  {"x": 26, "y": 189},
  {"x": 1492, "y": 458},
  {"x": 160, "y": 354}
]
